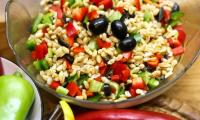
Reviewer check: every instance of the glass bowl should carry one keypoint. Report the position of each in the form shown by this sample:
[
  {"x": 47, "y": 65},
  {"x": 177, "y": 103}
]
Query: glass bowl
[{"x": 19, "y": 17}]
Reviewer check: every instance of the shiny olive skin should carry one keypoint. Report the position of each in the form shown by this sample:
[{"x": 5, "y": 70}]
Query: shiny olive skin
[
  {"x": 119, "y": 29},
  {"x": 98, "y": 25},
  {"x": 160, "y": 15},
  {"x": 107, "y": 89},
  {"x": 176, "y": 7},
  {"x": 127, "y": 44}
]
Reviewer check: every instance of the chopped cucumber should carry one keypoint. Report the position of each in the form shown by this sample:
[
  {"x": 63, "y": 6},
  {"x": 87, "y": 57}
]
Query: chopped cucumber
[
  {"x": 47, "y": 19},
  {"x": 77, "y": 3},
  {"x": 41, "y": 65},
  {"x": 93, "y": 45},
  {"x": 95, "y": 98},
  {"x": 37, "y": 66},
  {"x": 148, "y": 16},
  {"x": 115, "y": 16},
  {"x": 83, "y": 78},
  {"x": 120, "y": 92},
  {"x": 116, "y": 87},
  {"x": 153, "y": 83},
  {"x": 61, "y": 90},
  {"x": 145, "y": 76},
  {"x": 36, "y": 22},
  {"x": 30, "y": 44},
  {"x": 95, "y": 86}
]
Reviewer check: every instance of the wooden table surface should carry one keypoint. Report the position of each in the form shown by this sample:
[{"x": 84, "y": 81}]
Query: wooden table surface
[{"x": 187, "y": 88}]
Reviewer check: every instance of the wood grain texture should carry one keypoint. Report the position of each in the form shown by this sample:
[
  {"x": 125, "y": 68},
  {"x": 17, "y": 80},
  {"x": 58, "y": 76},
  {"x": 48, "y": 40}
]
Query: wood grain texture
[{"x": 187, "y": 88}]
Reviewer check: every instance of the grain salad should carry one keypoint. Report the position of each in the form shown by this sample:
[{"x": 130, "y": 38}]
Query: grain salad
[{"x": 106, "y": 50}]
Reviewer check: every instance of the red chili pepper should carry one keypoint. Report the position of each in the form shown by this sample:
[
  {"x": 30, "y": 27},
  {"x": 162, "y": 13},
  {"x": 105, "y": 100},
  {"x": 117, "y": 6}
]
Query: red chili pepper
[
  {"x": 59, "y": 22},
  {"x": 115, "y": 77},
  {"x": 181, "y": 36},
  {"x": 73, "y": 89},
  {"x": 153, "y": 62},
  {"x": 58, "y": 10},
  {"x": 68, "y": 65},
  {"x": 92, "y": 15},
  {"x": 78, "y": 50},
  {"x": 167, "y": 15},
  {"x": 40, "y": 51},
  {"x": 120, "y": 9},
  {"x": 174, "y": 43},
  {"x": 178, "y": 51},
  {"x": 71, "y": 30},
  {"x": 78, "y": 14},
  {"x": 126, "y": 56},
  {"x": 137, "y": 4},
  {"x": 103, "y": 44},
  {"x": 106, "y": 3},
  {"x": 138, "y": 83},
  {"x": 55, "y": 84}
]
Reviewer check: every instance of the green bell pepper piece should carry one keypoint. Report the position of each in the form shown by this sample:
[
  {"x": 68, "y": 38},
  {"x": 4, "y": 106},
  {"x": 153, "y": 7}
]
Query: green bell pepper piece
[{"x": 36, "y": 22}]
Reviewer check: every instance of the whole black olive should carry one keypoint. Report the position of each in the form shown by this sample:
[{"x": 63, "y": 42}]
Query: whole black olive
[
  {"x": 107, "y": 89},
  {"x": 127, "y": 44},
  {"x": 98, "y": 25},
  {"x": 119, "y": 29},
  {"x": 175, "y": 8},
  {"x": 69, "y": 58},
  {"x": 159, "y": 17}
]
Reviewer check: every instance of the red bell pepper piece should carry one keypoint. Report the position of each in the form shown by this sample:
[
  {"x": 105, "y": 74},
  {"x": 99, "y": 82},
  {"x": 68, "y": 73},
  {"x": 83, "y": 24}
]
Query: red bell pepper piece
[
  {"x": 178, "y": 51},
  {"x": 78, "y": 14},
  {"x": 106, "y": 3},
  {"x": 98, "y": 78},
  {"x": 58, "y": 10},
  {"x": 70, "y": 40},
  {"x": 167, "y": 15},
  {"x": 181, "y": 36},
  {"x": 126, "y": 56},
  {"x": 103, "y": 44},
  {"x": 132, "y": 92},
  {"x": 96, "y": 2},
  {"x": 71, "y": 30},
  {"x": 68, "y": 65},
  {"x": 73, "y": 89},
  {"x": 78, "y": 50},
  {"x": 62, "y": 2},
  {"x": 44, "y": 31},
  {"x": 115, "y": 77},
  {"x": 102, "y": 64},
  {"x": 59, "y": 22},
  {"x": 137, "y": 4},
  {"x": 120, "y": 9},
  {"x": 125, "y": 74},
  {"x": 102, "y": 70},
  {"x": 92, "y": 15},
  {"x": 40, "y": 51},
  {"x": 138, "y": 83},
  {"x": 89, "y": 94},
  {"x": 55, "y": 84},
  {"x": 153, "y": 62},
  {"x": 174, "y": 43},
  {"x": 33, "y": 55},
  {"x": 159, "y": 56},
  {"x": 179, "y": 27}
]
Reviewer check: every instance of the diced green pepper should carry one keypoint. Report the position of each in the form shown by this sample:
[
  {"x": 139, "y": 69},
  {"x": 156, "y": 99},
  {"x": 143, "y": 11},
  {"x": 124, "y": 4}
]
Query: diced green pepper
[
  {"x": 153, "y": 83},
  {"x": 82, "y": 78},
  {"x": 145, "y": 76},
  {"x": 41, "y": 65},
  {"x": 71, "y": 2},
  {"x": 95, "y": 98},
  {"x": 36, "y": 22},
  {"x": 61, "y": 90},
  {"x": 177, "y": 15},
  {"x": 47, "y": 19},
  {"x": 173, "y": 23},
  {"x": 95, "y": 86},
  {"x": 120, "y": 92},
  {"x": 115, "y": 16},
  {"x": 30, "y": 44},
  {"x": 86, "y": 20}
]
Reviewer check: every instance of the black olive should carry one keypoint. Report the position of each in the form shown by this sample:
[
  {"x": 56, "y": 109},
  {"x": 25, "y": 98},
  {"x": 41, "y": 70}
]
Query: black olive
[
  {"x": 107, "y": 89},
  {"x": 98, "y": 25},
  {"x": 175, "y": 8},
  {"x": 62, "y": 42},
  {"x": 149, "y": 68},
  {"x": 119, "y": 29},
  {"x": 126, "y": 15},
  {"x": 127, "y": 44},
  {"x": 69, "y": 58},
  {"x": 159, "y": 17}
]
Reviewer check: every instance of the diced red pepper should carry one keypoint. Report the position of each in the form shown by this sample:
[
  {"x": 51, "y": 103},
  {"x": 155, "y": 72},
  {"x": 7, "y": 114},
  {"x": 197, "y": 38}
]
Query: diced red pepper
[
  {"x": 174, "y": 43},
  {"x": 159, "y": 56},
  {"x": 59, "y": 22},
  {"x": 167, "y": 15},
  {"x": 103, "y": 44},
  {"x": 89, "y": 94},
  {"x": 106, "y": 3},
  {"x": 115, "y": 77},
  {"x": 178, "y": 51},
  {"x": 102, "y": 70},
  {"x": 179, "y": 27},
  {"x": 70, "y": 40},
  {"x": 78, "y": 50},
  {"x": 181, "y": 36},
  {"x": 68, "y": 65},
  {"x": 55, "y": 84},
  {"x": 126, "y": 56},
  {"x": 79, "y": 93},
  {"x": 96, "y": 2},
  {"x": 78, "y": 14},
  {"x": 125, "y": 74},
  {"x": 118, "y": 67},
  {"x": 102, "y": 64},
  {"x": 71, "y": 30},
  {"x": 153, "y": 62},
  {"x": 138, "y": 83},
  {"x": 120, "y": 9},
  {"x": 92, "y": 15},
  {"x": 132, "y": 92},
  {"x": 137, "y": 4},
  {"x": 98, "y": 78},
  {"x": 73, "y": 89},
  {"x": 40, "y": 51},
  {"x": 62, "y": 2},
  {"x": 58, "y": 10},
  {"x": 44, "y": 31}
]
